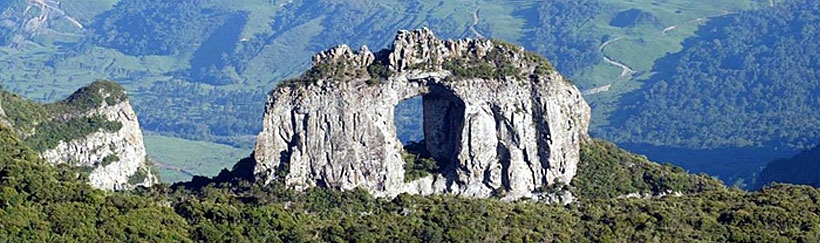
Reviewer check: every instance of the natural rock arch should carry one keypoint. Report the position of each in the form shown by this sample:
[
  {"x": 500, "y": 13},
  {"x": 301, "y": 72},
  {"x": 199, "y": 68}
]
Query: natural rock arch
[{"x": 515, "y": 131}]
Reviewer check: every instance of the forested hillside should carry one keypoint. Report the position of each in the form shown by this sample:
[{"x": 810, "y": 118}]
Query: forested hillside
[
  {"x": 745, "y": 80},
  {"x": 801, "y": 169},
  {"x": 744, "y": 87},
  {"x": 43, "y": 203},
  {"x": 556, "y": 33}
]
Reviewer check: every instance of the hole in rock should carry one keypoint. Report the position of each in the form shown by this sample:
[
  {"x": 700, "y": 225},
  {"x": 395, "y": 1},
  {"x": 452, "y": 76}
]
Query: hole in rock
[
  {"x": 408, "y": 120},
  {"x": 430, "y": 129}
]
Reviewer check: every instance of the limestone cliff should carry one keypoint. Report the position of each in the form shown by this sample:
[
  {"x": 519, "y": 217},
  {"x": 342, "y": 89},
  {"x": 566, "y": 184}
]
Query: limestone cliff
[
  {"x": 496, "y": 119},
  {"x": 95, "y": 129},
  {"x": 117, "y": 159}
]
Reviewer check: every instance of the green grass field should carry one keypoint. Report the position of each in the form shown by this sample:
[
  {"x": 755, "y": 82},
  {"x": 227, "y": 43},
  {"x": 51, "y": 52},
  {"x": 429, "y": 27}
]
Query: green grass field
[{"x": 172, "y": 156}]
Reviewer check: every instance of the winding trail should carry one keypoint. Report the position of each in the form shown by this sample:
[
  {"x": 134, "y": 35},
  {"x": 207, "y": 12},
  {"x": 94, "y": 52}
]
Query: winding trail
[
  {"x": 599, "y": 89},
  {"x": 476, "y": 20},
  {"x": 700, "y": 20},
  {"x": 670, "y": 28},
  {"x": 49, "y": 9},
  {"x": 627, "y": 71}
]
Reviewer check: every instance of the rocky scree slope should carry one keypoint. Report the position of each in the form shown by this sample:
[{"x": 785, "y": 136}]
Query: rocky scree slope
[
  {"x": 94, "y": 129},
  {"x": 498, "y": 120}
]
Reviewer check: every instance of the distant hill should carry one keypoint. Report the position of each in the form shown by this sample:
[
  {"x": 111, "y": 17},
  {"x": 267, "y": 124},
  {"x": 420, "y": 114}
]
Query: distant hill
[
  {"x": 198, "y": 69},
  {"x": 745, "y": 81},
  {"x": 802, "y": 169}
]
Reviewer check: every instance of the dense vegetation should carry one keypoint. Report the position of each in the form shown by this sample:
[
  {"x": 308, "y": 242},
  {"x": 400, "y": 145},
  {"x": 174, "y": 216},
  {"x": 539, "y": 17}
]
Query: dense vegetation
[
  {"x": 139, "y": 27},
  {"x": 745, "y": 80},
  {"x": 801, "y": 169},
  {"x": 418, "y": 162},
  {"x": 556, "y": 35},
  {"x": 43, "y": 126},
  {"x": 498, "y": 64},
  {"x": 626, "y": 173},
  {"x": 632, "y": 18},
  {"x": 39, "y": 202}
]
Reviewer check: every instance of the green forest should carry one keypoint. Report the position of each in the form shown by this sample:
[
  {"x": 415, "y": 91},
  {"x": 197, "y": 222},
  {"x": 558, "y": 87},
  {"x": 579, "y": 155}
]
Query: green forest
[
  {"x": 745, "y": 80},
  {"x": 40, "y": 202},
  {"x": 711, "y": 81},
  {"x": 800, "y": 169}
]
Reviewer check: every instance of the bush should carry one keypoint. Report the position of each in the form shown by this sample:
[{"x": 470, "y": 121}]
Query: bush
[
  {"x": 418, "y": 163},
  {"x": 110, "y": 159}
]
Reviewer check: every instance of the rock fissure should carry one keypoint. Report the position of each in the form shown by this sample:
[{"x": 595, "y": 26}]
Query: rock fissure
[{"x": 481, "y": 120}]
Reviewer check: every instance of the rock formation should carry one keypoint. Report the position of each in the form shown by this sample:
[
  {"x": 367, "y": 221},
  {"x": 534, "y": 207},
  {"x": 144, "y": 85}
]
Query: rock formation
[
  {"x": 496, "y": 119},
  {"x": 113, "y": 159},
  {"x": 3, "y": 121},
  {"x": 128, "y": 166}
]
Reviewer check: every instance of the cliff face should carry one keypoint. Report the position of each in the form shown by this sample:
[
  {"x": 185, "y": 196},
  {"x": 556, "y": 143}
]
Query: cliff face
[
  {"x": 3, "y": 121},
  {"x": 95, "y": 129},
  {"x": 496, "y": 118},
  {"x": 116, "y": 159}
]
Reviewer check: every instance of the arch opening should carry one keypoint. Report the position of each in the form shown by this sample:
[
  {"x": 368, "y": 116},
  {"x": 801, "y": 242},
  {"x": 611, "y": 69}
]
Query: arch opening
[
  {"x": 408, "y": 120},
  {"x": 430, "y": 129}
]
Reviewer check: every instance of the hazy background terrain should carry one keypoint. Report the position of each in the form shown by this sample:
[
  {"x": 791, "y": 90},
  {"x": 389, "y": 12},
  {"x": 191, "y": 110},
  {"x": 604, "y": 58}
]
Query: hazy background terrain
[{"x": 716, "y": 86}]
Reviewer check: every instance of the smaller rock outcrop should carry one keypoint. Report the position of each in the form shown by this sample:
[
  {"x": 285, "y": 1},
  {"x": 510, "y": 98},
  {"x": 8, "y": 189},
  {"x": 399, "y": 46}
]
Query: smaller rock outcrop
[
  {"x": 498, "y": 120},
  {"x": 95, "y": 129},
  {"x": 3, "y": 121},
  {"x": 116, "y": 159}
]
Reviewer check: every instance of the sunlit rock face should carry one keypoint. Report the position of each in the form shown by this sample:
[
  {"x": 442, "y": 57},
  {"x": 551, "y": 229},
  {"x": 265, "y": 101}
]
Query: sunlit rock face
[
  {"x": 128, "y": 167},
  {"x": 113, "y": 159},
  {"x": 515, "y": 131}
]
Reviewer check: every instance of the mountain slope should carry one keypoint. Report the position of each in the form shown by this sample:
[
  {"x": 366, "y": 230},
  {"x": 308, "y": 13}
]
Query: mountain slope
[
  {"x": 77, "y": 212},
  {"x": 800, "y": 169},
  {"x": 745, "y": 80},
  {"x": 607, "y": 171},
  {"x": 40, "y": 202},
  {"x": 741, "y": 93}
]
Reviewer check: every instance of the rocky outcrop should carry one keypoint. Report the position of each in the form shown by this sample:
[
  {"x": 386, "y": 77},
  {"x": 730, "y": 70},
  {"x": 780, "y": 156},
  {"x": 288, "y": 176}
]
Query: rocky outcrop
[
  {"x": 496, "y": 119},
  {"x": 3, "y": 121},
  {"x": 116, "y": 160},
  {"x": 95, "y": 129}
]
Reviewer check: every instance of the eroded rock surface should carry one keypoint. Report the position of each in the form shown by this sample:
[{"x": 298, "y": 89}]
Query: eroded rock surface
[
  {"x": 515, "y": 131},
  {"x": 116, "y": 160},
  {"x": 95, "y": 129},
  {"x": 3, "y": 121}
]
